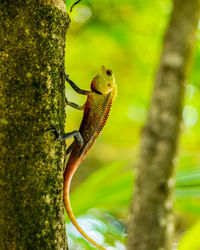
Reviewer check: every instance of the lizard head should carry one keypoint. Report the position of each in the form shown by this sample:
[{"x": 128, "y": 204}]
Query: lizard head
[{"x": 104, "y": 81}]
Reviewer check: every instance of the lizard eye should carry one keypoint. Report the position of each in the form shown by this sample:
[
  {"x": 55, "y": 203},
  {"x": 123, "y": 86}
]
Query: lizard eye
[
  {"x": 109, "y": 85},
  {"x": 109, "y": 72}
]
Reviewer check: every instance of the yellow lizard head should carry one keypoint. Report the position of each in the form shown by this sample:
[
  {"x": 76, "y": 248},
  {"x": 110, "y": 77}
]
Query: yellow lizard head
[{"x": 104, "y": 81}]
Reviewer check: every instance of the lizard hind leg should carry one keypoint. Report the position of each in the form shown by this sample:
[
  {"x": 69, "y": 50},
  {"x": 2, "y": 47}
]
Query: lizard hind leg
[
  {"x": 76, "y": 134},
  {"x": 69, "y": 149}
]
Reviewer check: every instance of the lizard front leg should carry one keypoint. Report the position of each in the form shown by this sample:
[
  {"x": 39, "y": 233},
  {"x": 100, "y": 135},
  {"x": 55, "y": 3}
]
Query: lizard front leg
[
  {"x": 74, "y": 105},
  {"x": 75, "y": 87}
]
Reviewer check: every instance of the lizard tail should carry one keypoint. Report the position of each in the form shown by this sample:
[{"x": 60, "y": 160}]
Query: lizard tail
[{"x": 69, "y": 172}]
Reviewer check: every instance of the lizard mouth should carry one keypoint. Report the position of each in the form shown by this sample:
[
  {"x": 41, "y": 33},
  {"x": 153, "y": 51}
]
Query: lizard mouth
[{"x": 98, "y": 92}]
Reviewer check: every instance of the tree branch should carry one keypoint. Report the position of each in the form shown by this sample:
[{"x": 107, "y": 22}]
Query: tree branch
[{"x": 151, "y": 224}]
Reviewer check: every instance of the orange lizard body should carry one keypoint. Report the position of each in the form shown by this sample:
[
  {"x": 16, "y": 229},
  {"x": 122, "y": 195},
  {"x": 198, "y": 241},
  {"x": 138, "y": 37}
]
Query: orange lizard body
[{"x": 96, "y": 112}]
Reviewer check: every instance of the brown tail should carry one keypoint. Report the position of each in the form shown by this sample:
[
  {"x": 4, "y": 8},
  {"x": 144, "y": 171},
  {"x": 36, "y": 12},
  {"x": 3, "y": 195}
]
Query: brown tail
[{"x": 69, "y": 172}]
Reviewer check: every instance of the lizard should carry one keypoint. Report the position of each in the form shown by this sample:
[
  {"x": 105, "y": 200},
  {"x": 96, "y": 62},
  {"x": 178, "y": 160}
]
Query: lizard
[{"x": 96, "y": 111}]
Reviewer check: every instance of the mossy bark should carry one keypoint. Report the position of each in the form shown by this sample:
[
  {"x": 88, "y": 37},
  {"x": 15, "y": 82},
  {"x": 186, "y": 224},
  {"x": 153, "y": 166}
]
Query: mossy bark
[
  {"x": 32, "y": 44},
  {"x": 151, "y": 221}
]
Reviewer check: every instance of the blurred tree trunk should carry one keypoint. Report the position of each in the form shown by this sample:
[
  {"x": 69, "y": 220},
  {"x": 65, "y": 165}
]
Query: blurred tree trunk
[
  {"x": 32, "y": 44},
  {"x": 151, "y": 221}
]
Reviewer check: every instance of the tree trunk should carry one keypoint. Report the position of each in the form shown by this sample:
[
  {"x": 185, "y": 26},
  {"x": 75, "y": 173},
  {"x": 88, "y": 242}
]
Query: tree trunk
[
  {"x": 151, "y": 222},
  {"x": 32, "y": 44}
]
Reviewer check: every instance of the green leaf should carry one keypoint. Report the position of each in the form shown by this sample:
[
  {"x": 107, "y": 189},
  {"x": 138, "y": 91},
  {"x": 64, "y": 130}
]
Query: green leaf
[
  {"x": 107, "y": 187},
  {"x": 191, "y": 239}
]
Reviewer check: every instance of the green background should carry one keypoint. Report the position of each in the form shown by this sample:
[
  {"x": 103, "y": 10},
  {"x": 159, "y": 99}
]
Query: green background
[{"x": 127, "y": 36}]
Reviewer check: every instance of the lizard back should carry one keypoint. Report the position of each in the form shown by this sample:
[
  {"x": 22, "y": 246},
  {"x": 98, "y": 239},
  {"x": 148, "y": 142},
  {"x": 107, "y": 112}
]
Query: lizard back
[{"x": 96, "y": 113}]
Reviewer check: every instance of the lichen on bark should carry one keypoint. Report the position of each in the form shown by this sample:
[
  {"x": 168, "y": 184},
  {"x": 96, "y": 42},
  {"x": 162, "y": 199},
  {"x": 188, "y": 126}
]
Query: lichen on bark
[{"x": 32, "y": 44}]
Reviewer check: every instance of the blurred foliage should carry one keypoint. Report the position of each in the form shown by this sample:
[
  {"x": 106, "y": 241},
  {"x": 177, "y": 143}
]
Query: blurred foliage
[
  {"x": 191, "y": 239},
  {"x": 127, "y": 37}
]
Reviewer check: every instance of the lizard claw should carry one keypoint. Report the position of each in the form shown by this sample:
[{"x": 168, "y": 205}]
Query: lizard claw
[
  {"x": 76, "y": 134},
  {"x": 55, "y": 131},
  {"x": 66, "y": 101}
]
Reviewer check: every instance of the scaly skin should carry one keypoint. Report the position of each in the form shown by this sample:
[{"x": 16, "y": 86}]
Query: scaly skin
[{"x": 96, "y": 112}]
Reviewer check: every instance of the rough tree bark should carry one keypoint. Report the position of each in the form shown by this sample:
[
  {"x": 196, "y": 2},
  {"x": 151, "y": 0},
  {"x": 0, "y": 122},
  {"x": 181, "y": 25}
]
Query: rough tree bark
[
  {"x": 32, "y": 44},
  {"x": 151, "y": 222}
]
